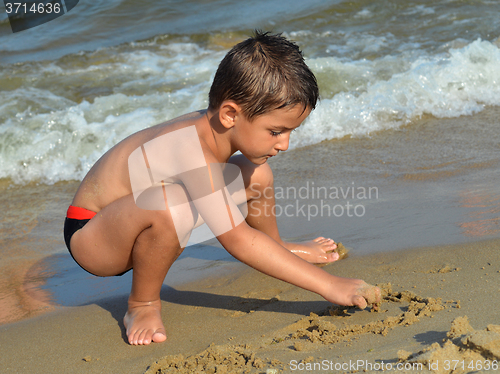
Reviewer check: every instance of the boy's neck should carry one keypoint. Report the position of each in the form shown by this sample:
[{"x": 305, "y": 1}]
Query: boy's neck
[{"x": 218, "y": 137}]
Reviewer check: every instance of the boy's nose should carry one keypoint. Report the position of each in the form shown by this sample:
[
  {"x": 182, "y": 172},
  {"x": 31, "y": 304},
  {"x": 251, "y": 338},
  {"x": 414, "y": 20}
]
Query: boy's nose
[{"x": 282, "y": 145}]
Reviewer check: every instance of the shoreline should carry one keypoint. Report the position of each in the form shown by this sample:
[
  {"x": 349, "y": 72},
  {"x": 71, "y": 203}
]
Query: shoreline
[
  {"x": 437, "y": 197},
  {"x": 421, "y": 199},
  {"x": 263, "y": 314}
]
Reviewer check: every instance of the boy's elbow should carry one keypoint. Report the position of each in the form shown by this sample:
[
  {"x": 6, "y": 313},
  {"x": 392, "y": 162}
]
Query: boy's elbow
[{"x": 237, "y": 239}]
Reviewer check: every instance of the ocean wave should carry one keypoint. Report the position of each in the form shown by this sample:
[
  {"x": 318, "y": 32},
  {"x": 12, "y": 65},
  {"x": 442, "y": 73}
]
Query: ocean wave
[
  {"x": 58, "y": 117},
  {"x": 462, "y": 82}
]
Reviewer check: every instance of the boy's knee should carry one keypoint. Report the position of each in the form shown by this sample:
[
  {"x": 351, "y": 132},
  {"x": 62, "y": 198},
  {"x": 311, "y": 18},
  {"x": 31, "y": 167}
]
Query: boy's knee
[
  {"x": 178, "y": 221},
  {"x": 256, "y": 177},
  {"x": 161, "y": 220},
  {"x": 263, "y": 176},
  {"x": 261, "y": 182}
]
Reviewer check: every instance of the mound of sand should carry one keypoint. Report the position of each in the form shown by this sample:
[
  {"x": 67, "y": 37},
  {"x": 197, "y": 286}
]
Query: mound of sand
[
  {"x": 215, "y": 359},
  {"x": 325, "y": 327},
  {"x": 466, "y": 350},
  {"x": 320, "y": 328}
]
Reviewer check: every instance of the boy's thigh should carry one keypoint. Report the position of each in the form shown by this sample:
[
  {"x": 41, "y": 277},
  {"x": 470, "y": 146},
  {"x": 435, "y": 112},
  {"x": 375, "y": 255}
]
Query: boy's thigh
[{"x": 104, "y": 245}]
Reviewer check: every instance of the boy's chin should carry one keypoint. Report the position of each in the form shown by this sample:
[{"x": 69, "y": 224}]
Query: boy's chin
[{"x": 259, "y": 160}]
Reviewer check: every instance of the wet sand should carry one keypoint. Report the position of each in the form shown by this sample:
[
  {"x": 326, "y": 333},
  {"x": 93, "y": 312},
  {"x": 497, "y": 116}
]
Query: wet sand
[
  {"x": 448, "y": 301},
  {"x": 249, "y": 321},
  {"x": 431, "y": 232}
]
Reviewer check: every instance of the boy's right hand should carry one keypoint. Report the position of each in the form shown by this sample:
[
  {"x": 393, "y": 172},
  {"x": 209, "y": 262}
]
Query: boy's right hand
[
  {"x": 353, "y": 292},
  {"x": 367, "y": 295}
]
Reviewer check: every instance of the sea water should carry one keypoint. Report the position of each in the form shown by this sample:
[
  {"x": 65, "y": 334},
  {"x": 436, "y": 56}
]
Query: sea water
[{"x": 74, "y": 87}]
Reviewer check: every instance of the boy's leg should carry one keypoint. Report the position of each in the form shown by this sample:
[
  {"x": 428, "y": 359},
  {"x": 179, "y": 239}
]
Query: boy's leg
[
  {"x": 261, "y": 212},
  {"x": 122, "y": 236}
]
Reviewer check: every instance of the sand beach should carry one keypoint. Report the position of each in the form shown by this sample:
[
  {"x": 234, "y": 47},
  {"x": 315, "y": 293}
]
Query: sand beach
[
  {"x": 435, "y": 255},
  {"x": 400, "y": 162},
  {"x": 248, "y": 322}
]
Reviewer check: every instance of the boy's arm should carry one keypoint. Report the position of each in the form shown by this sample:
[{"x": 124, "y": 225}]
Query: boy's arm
[
  {"x": 206, "y": 188},
  {"x": 261, "y": 252}
]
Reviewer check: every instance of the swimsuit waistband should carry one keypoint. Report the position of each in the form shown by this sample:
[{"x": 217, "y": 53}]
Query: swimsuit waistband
[{"x": 75, "y": 212}]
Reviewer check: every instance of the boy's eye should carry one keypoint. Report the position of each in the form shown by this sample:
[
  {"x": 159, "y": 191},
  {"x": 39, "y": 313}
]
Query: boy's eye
[{"x": 275, "y": 133}]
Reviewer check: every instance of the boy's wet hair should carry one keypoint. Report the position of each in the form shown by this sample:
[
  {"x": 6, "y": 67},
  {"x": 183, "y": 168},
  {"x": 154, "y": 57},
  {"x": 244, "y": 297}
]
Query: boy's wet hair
[{"x": 264, "y": 73}]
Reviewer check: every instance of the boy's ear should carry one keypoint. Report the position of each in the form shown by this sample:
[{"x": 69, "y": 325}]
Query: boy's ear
[{"x": 229, "y": 113}]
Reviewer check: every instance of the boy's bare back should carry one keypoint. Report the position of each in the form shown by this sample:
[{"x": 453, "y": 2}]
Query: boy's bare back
[{"x": 109, "y": 179}]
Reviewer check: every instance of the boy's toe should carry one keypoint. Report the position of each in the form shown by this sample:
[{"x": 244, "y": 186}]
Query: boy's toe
[
  {"x": 143, "y": 338},
  {"x": 332, "y": 257},
  {"x": 159, "y": 336}
]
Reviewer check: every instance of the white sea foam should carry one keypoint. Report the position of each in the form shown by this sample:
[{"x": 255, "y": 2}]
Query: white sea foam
[
  {"x": 365, "y": 13},
  {"x": 49, "y": 135},
  {"x": 46, "y": 135},
  {"x": 67, "y": 142},
  {"x": 459, "y": 83}
]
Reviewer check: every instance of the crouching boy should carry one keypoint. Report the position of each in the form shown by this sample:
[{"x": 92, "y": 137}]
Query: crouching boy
[{"x": 138, "y": 205}]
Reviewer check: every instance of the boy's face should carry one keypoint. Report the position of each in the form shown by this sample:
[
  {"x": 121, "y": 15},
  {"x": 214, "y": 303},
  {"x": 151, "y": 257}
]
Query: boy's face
[{"x": 269, "y": 133}]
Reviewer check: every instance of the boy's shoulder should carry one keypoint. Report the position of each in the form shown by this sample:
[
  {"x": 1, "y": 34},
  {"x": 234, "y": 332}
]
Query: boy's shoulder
[
  {"x": 180, "y": 141},
  {"x": 175, "y": 132},
  {"x": 178, "y": 123},
  {"x": 184, "y": 132}
]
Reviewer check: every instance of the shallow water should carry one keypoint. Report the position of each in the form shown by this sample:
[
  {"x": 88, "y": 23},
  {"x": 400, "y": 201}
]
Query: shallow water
[
  {"x": 430, "y": 183},
  {"x": 405, "y": 188},
  {"x": 410, "y": 108},
  {"x": 72, "y": 88}
]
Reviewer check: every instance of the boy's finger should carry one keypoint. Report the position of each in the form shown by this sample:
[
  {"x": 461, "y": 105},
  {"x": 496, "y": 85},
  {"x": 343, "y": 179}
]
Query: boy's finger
[
  {"x": 360, "y": 302},
  {"x": 371, "y": 293}
]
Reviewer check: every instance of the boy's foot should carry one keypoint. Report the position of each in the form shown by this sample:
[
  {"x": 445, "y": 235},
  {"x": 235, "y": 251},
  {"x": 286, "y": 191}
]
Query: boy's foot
[
  {"x": 143, "y": 323},
  {"x": 316, "y": 251}
]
